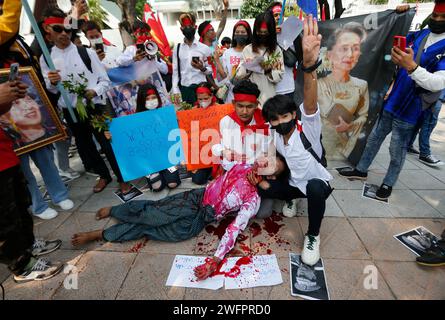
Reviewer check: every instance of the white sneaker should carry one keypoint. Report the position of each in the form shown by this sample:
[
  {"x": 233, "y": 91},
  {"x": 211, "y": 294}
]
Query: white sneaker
[
  {"x": 311, "y": 250},
  {"x": 48, "y": 214},
  {"x": 70, "y": 174},
  {"x": 290, "y": 208},
  {"x": 65, "y": 204}
]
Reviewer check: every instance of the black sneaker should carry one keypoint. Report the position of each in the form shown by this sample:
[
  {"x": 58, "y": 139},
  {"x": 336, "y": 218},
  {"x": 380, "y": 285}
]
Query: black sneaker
[
  {"x": 42, "y": 247},
  {"x": 354, "y": 174},
  {"x": 43, "y": 269},
  {"x": 434, "y": 257},
  {"x": 413, "y": 151},
  {"x": 384, "y": 192},
  {"x": 430, "y": 160}
]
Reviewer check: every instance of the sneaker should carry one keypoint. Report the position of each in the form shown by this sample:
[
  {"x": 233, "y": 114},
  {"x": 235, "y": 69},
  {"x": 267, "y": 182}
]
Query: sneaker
[
  {"x": 434, "y": 257},
  {"x": 355, "y": 174},
  {"x": 70, "y": 174},
  {"x": 290, "y": 208},
  {"x": 384, "y": 192},
  {"x": 412, "y": 150},
  {"x": 43, "y": 269},
  {"x": 42, "y": 247},
  {"x": 311, "y": 250},
  {"x": 430, "y": 160},
  {"x": 66, "y": 204},
  {"x": 48, "y": 214}
]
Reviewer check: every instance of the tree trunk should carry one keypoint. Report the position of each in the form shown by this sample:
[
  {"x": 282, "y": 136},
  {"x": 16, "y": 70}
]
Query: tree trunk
[{"x": 128, "y": 9}]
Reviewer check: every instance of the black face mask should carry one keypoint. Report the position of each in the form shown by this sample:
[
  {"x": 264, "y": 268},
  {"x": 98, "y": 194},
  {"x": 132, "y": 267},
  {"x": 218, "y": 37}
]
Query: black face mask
[
  {"x": 189, "y": 33},
  {"x": 263, "y": 39},
  {"x": 241, "y": 40},
  {"x": 436, "y": 27},
  {"x": 284, "y": 128}
]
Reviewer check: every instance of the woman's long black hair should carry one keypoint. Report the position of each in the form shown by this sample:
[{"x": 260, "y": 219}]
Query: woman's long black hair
[
  {"x": 246, "y": 25},
  {"x": 142, "y": 97},
  {"x": 271, "y": 45}
]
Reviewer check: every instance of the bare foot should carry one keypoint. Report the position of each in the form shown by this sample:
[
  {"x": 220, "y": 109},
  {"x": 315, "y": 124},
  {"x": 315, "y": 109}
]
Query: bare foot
[
  {"x": 84, "y": 237},
  {"x": 103, "y": 213}
]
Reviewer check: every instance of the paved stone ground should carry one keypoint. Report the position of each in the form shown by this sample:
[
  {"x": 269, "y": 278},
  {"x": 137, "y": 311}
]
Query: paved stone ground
[{"x": 356, "y": 233}]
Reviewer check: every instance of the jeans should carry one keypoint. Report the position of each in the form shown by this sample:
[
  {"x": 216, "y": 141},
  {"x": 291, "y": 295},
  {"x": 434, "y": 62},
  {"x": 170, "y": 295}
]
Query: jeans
[
  {"x": 425, "y": 128},
  {"x": 44, "y": 160},
  {"x": 62, "y": 148},
  {"x": 16, "y": 225},
  {"x": 317, "y": 191},
  {"x": 401, "y": 135}
]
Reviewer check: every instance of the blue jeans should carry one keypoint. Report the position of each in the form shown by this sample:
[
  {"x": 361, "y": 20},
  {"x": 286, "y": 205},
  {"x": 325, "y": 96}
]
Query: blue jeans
[
  {"x": 425, "y": 127},
  {"x": 401, "y": 135},
  {"x": 44, "y": 160}
]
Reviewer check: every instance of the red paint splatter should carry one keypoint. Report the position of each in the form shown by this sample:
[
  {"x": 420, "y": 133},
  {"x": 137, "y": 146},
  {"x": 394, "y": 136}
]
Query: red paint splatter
[
  {"x": 271, "y": 226},
  {"x": 245, "y": 248},
  {"x": 221, "y": 228},
  {"x": 235, "y": 271},
  {"x": 255, "y": 229},
  {"x": 269, "y": 251},
  {"x": 138, "y": 246}
]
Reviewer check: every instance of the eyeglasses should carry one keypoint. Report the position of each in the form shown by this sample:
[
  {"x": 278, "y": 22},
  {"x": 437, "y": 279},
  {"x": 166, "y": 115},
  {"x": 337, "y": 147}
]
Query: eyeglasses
[{"x": 60, "y": 29}]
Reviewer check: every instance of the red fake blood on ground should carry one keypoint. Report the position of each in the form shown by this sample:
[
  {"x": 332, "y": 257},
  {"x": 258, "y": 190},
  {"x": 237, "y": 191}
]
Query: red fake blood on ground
[
  {"x": 271, "y": 226},
  {"x": 221, "y": 228},
  {"x": 235, "y": 271},
  {"x": 138, "y": 246},
  {"x": 218, "y": 270},
  {"x": 245, "y": 248},
  {"x": 255, "y": 229},
  {"x": 269, "y": 251}
]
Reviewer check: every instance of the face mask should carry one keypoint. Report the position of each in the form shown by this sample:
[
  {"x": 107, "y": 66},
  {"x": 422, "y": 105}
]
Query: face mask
[
  {"x": 205, "y": 104},
  {"x": 96, "y": 41},
  {"x": 284, "y": 128},
  {"x": 263, "y": 39},
  {"x": 436, "y": 27},
  {"x": 151, "y": 104},
  {"x": 241, "y": 40},
  {"x": 189, "y": 33}
]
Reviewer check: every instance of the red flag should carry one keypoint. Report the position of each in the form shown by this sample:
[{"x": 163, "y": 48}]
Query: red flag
[
  {"x": 323, "y": 14},
  {"x": 157, "y": 31}
]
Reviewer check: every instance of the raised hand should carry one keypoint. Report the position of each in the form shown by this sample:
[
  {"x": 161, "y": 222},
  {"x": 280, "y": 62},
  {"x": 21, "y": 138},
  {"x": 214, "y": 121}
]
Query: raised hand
[{"x": 311, "y": 41}]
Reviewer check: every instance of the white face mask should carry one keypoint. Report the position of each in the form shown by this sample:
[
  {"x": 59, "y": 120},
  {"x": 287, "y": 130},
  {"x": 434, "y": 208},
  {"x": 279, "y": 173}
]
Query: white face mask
[
  {"x": 205, "y": 104},
  {"x": 96, "y": 41},
  {"x": 151, "y": 104}
]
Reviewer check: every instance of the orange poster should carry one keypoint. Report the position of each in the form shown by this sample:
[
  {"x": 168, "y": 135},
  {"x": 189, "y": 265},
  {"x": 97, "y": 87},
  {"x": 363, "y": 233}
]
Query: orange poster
[{"x": 199, "y": 132}]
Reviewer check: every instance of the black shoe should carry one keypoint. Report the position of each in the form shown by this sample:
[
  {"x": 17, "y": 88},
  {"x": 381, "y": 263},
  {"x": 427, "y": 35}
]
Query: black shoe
[
  {"x": 412, "y": 150},
  {"x": 355, "y": 174},
  {"x": 384, "y": 192},
  {"x": 430, "y": 160},
  {"x": 434, "y": 257}
]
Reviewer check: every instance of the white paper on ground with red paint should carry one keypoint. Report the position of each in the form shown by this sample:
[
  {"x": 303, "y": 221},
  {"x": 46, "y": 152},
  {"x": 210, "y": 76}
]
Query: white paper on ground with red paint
[
  {"x": 182, "y": 274},
  {"x": 262, "y": 272}
]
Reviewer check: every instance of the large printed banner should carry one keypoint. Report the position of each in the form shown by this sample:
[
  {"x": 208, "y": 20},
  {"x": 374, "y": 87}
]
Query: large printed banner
[
  {"x": 199, "y": 132},
  {"x": 354, "y": 77},
  {"x": 146, "y": 142}
]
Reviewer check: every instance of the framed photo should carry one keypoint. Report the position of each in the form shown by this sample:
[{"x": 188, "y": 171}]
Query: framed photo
[{"x": 32, "y": 122}]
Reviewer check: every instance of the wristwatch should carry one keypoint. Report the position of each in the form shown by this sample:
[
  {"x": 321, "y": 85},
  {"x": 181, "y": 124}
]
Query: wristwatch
[{"x": 311, "y": 68}]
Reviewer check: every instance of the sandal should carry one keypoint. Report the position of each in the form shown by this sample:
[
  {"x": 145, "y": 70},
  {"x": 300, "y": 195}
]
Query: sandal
[{"x": 152, "y": 179}]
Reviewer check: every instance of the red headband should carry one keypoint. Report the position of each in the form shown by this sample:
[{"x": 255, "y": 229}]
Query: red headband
[
  {"x": 206, "y": 29},
  {"x": 263, "y": 25},
  {"x": 150, "y": 92},
  {"x": 201, "y": 90},
  {"x": 245, "y": 97},
  {"x": 186, "y": 22},
  {"x": 54, "y": 20},
  {"x": 277, "y": 9},
  {"x": 439, "y": 8},
  {"x": 242, "y": 23}
]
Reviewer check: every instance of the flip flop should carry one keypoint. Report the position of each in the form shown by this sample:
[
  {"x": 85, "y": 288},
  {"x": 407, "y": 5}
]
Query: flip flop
[{"x": 151, "y": 181}]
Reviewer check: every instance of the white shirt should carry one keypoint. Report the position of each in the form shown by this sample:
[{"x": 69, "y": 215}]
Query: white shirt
[
  {"x": 190, "y": 75},
  {"x": 111, "y": 56},
  {"x": 68, "y": 61},
  {"x": 302, "y": 165},
  {"x": 126, "y": 59},
  {"x": 253, "y": 146},
  {"x": 427, "y": 80},
  {"x": 230, "y": 61}
]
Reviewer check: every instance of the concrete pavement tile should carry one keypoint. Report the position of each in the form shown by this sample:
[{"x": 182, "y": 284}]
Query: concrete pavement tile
[
  {"x": 436, "y": 226},
  {"x": 106, "y": 198},
  {"x": 42, "y": 228},
  {"x": 354, "y": 205},
  {"x": 4, "y": 273},
  {"x": 436, "y": 172},
  {"x": 405, "y": 203},
  {"x": 418, "y": 179},
  {"x": 44, "y": 290},
  {"x": 346, "y": 280},
  {"x": 160, "y": 247},
  {"x": 410, "y": 281},
  {"x": 221, "y": 294},
  {"x": 435, "y": 198},
  {"x": 338, "y": 239},
  {"x": 332, "y": 208},
  {"x": 100, "y": 276},
  {"x": 78, "y": 195},
  {"x": 147, "y": 278}
]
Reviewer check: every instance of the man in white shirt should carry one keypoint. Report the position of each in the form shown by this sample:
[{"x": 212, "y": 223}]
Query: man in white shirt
[
  {"x": 107, "y": 53},
  {"x": 307, "y": 177},
  {"x": 192, "y": 66},
  {"x": 72, "y": 61}
]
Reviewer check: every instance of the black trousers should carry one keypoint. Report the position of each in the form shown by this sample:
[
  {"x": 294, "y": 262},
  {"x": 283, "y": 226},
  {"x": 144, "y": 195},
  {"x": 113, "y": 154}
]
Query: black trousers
[
  {"x": 201, "y": 176},
  {"x": 90, "y": 156},
  {"x": 317, "y": 191},
  {"x": 16, "y": 225}
]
